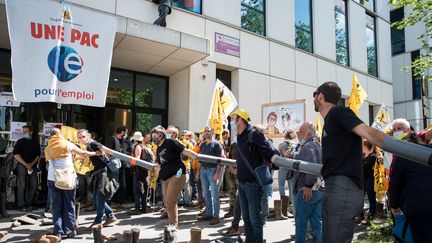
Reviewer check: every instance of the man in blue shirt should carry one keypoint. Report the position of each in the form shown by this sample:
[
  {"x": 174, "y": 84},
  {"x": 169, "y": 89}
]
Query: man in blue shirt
[{"x": 251, "y": 192}]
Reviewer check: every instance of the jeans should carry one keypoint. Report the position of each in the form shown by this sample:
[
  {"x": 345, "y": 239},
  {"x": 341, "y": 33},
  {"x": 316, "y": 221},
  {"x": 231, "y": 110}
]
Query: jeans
[
  {"x": 250, "y": 201},
  {"x": 342, "y": 201},
  {"x": 64, "y": 216},
  {"x": 210, "y": 191},
  {"x": 185, "y": 195},
  {"x": 221, "y": 178},
  {"x": 237, "y": 213},
  {"x": 282, "y": 178},
  {"x": 32, "y": 186},
  {"x": 193, "y": 184},
  {"x": 371, "y": 194},
  {"x": 308, "y": 211},
  {"x": 268, "y": 191},
  {"x": 101, "y": 207},
  {"x": 48, "y": 204}
]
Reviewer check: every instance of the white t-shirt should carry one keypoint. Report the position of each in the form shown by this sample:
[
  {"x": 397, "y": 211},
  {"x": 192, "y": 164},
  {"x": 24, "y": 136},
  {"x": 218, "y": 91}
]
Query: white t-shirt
[{"x": 66, "y": 162}]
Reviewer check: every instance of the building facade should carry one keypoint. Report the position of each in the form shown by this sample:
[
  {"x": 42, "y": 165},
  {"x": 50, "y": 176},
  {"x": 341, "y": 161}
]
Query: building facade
[
  {"x": 412, "y": 97},
  {"x": 278, "y": 50}
]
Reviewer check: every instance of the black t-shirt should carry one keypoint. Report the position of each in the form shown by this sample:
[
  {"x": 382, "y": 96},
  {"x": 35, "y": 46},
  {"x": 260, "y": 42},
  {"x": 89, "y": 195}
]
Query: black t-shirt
[
  {"x": 168, "y": 156},
  {"x": 342, "y": 148},
  {"x": 29, "y": 149},
  {"x": 368, "y": 166},
  {"x": 98, "y": 162}
]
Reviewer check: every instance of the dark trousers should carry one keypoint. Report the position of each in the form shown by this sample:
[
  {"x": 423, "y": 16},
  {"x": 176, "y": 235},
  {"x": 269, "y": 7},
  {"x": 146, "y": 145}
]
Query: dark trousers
[
  {"x": 250, "y": 201},
  {"x": 141, "y": 187},
  {"x": 421, "y": 226},
  {"x": 193, "y": 183},
  {"x": 371, "y": 194},
  {"x": 237, "y": 213},
  {"x": 31, "y": 187},
  {"x": 63, "y": 209},
  {"x": 342, "y": 201},
  {"x": 82, "y": 188},
  {"x": 120, "y": 195}
]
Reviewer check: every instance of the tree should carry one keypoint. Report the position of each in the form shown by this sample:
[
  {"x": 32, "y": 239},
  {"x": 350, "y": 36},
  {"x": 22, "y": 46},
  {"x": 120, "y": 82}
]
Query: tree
[{"x": 421, "y": 12}]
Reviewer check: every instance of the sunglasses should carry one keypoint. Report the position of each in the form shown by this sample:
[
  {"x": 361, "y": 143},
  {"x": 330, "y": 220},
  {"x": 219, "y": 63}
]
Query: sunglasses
[{"x": 315, "y": 93}]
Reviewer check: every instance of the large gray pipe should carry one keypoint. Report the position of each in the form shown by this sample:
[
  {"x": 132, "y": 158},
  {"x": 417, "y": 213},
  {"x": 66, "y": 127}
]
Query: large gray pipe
[
  {"x": 129, "y": 159},
  {"x": 299, "y": 165},
  {"x": 410, "y": 151},
  {"x": 216, "y": 160}
]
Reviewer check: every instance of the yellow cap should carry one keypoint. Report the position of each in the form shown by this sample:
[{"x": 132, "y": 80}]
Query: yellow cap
[{"x": 241, "y": 113}]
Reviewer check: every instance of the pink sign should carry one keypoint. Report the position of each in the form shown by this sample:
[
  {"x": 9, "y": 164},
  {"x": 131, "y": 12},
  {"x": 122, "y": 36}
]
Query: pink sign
[{"x": 227, "y": 45}]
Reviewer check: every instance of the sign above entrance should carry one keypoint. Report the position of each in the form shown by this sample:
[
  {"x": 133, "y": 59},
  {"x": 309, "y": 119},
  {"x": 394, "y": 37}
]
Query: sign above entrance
[
  {"x": 7, "y": 99},
  {"x": 60, "y": 53},
  {"x": 227, "y": 45}
]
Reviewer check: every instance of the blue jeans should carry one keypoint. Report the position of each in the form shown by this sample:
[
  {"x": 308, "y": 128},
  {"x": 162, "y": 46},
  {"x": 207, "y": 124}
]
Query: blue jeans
[
  {"x": 63, "y": 209},
  {"x": 308, "y": 211},
  {"x": 250, "y": 201},
  {"x": 282, "y": 178},
  {"x": 268, "y": 191},
  {"x": 210, "y": 191},
  {"x": 185, "y": 195},
  {"x": 101, "y": 207}
]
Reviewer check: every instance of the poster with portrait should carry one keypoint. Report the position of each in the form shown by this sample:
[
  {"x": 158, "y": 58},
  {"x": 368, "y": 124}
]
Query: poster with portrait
[{"x": 280, "y": 117}]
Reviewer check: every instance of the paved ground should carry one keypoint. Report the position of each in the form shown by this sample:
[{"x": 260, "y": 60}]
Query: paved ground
[{"x": 151, "y": 227}]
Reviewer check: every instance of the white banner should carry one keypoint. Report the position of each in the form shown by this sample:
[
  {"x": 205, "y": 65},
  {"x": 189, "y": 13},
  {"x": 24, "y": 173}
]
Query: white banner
[
  {"x": 48, "y": 126},
  {"x": 60, "y": 53},
  {"x": 7, "y": 99},
  {"x": 16, "y": 131}
]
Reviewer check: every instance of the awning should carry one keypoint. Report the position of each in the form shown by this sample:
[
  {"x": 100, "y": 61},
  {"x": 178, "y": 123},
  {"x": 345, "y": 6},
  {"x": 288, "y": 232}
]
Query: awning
[{"x": 143, "y": 47}]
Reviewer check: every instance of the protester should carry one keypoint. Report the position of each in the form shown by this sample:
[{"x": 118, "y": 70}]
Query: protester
[
  {"x": 225, "y": 147},
  {"x": 399, "y": 127},
  {"x": 185, "y": 195},
  {"x": 285, "y": 174},
  {"x": 171, "y": 170},
  {"x": 140, "y": 174},
  {"x": 209, "y": 175},
  {"x": 59, "y": 154},
  {"x": 195, "y": 168},
  {"x": 250, "y": 191},
  {"x": 342, "y": 163},
  {"x": 369, "y": 160},
  {"x": 83, "y": 168},
  {"x": 102, "y": 183},
  {"x": 308, "y": 195},
  {"x": 410, "y": 184},
  {"x": 27, "y": 153},
  {"x": 233, "y": 230},
  {"x": 232, "y": 182},
  {"x": 117, "y": 143}
]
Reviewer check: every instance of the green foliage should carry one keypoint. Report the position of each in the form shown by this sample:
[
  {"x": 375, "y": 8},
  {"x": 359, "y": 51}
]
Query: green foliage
[
  {"x": 303, "y": 37},
  {"x": 252, "y": 20},
  {"x": 378, "y": 232},
  {"x": 421, "y": 12}
]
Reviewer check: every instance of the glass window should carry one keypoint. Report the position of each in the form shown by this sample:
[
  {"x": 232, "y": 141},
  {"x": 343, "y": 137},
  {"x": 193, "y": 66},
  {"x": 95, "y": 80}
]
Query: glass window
[
  {"x": 303, "y": 25},
  {"x": 5, "y": 65},
  {"x": 150, "y": 91},
  {"x": 115, "y": 117},
  {"x": 397, "y": 36},
  {"x": 120, "y": 88},
  {"x": 341, "y": 23},
  {"x": 371, "y": 46},
  {"x": 145, "y": 121},
  {"x": 253, "y": 16},
  {"x": 190, "y": 5},
  {"x": 416, "y": 79}
]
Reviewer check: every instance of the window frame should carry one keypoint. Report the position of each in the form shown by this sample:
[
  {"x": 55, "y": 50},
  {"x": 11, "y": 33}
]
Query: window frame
[
  {"x": 416, "y": 80},
  {"x": 311, "y": 27},
  {"x": 263, "y": 12},
  {"x": 375, "y": 44},
  {"x": 200, "y": 12},
  {"x": 348, "y": 64},
  {"x": 394, "y": 29}
]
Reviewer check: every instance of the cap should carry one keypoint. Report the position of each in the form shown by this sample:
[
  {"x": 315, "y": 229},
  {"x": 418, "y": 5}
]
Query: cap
[{"x": 242, "y": 113}]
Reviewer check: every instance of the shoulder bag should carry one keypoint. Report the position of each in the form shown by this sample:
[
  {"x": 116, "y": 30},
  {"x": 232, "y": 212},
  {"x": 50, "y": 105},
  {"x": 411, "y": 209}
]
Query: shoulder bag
[{"x": 261, "y": 173}]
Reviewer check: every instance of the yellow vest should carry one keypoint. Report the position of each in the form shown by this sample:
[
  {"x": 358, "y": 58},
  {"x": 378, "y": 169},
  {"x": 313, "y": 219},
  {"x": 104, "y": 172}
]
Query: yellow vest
[
  {"x": 187, "y": 161},
  {"x": 83, "y": 166}
]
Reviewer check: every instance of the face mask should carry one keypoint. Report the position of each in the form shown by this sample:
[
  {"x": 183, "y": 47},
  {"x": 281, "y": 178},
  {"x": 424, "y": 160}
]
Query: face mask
[
  {"x": 397, "y": 134},
  {"x": 302, "y": 142},
  {"x": 168, "y": 136},
  {"x": 156, "y": 140},
  {"x": 26, "y": 136},
  {"x": 233, "y": 126}
]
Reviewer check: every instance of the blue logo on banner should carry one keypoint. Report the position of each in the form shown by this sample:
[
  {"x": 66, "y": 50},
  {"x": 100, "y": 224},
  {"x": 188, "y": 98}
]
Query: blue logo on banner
[{"x": 65, "y": 63}]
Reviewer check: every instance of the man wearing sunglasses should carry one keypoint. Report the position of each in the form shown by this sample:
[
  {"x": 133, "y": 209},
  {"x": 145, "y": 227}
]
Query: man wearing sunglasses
[{"x": 342, "y": 163}]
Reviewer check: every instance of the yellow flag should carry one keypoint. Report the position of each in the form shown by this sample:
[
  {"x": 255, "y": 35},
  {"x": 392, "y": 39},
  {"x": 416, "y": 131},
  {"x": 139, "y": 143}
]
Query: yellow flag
[
  {"x": 318, "y": 126},
  {"x": 382, "y": 119},
  {"x": 216, "y": 117},
  {"x": 379, "y": 180},
  {"x": 358, "y": 95},
  {"x": 70, "y": 134}
]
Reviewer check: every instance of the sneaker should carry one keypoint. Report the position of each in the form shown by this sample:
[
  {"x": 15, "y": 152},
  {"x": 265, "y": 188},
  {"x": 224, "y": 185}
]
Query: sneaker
[
  {"x": 110, "y": 222},
  {"x": 71, "y": 234},
  {"x": 214, "y": 220},
  {"x": 134, "y": 212},
  {"x": 232, "y": 231},
  {"x": 204, "y": 218}
]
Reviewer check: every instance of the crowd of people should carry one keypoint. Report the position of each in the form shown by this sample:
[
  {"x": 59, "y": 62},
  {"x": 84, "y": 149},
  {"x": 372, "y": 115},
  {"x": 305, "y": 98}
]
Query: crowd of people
[{"x": 326, "y": 206}]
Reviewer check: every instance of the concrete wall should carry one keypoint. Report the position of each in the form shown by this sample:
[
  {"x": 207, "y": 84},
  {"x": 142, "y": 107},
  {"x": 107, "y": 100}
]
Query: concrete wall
[{"x": 178, "y": 105}]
